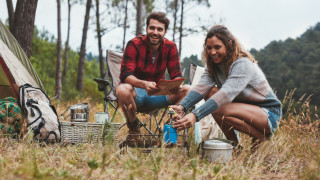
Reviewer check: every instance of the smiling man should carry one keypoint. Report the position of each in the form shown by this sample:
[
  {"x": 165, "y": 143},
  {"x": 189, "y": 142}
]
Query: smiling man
[{"x": 145, "y": 61}]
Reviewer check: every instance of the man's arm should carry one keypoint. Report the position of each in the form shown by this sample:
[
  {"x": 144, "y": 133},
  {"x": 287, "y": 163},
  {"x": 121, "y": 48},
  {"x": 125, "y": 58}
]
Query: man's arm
[
  {"x": 129, "y": 60},
  {"x": 149, "y": 86}
]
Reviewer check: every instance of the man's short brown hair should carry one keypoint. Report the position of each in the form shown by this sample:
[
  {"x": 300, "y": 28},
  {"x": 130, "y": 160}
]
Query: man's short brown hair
[{"x": 161, "y": 17}]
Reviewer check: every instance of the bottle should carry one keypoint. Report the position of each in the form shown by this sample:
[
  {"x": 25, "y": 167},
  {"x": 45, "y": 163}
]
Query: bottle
[{"x": 169, "y": 133}]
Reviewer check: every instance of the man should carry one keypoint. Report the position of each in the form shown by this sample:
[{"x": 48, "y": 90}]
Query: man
[{"x": 144, "y": 63}]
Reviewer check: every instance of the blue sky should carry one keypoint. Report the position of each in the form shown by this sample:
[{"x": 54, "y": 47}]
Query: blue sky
[{"x": 254, "y": 22}]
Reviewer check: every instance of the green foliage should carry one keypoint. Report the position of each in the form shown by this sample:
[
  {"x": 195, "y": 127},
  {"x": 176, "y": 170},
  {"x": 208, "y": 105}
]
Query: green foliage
[
  {"x": 43, "y": 58},
  {"x": 293, "y": 63}
]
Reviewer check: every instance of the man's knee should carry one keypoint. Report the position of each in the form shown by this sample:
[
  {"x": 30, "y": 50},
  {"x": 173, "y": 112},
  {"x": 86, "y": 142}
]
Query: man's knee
[
  {"x": 175, "y": 98},
  {"x": 124, "y": 91},
  {"x": 185, "y": 89}
]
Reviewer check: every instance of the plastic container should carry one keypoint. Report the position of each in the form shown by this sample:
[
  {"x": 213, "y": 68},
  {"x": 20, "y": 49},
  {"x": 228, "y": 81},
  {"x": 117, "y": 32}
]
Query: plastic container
[
  {"x": 217, "y": 151},
  {"x": 169, "y": 134},
  {"x": 101, "y": 117}
]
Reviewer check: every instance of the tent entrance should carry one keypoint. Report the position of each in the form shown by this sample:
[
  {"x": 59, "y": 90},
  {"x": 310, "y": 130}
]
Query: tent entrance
[{"x": 7, "y": 87}]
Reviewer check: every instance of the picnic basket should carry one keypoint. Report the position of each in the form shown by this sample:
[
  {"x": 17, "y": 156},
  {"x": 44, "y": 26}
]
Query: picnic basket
[{"x": 85, "y": 132}]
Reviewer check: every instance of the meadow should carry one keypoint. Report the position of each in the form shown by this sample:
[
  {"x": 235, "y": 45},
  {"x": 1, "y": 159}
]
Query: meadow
[{"x": 292, "y": 153}]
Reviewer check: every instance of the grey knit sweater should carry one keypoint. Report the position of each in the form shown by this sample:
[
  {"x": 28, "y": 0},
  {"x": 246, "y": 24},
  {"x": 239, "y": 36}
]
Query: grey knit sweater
[{"x": 245, "y": 83}]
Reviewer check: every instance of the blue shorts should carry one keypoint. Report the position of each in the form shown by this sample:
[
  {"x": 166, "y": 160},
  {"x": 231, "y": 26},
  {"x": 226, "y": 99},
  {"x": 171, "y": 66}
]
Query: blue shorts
[
  {"x": 273, "y": 120},
  {"x": 146, "y": 103}
]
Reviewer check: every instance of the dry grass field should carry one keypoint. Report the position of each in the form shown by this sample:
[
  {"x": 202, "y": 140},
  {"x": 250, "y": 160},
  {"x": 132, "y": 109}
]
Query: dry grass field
[{"x": 292, "y": 153}]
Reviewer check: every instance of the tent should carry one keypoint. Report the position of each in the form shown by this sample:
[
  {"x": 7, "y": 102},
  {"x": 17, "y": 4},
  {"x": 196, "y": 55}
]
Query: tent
[{"x": 15, "y": 67}]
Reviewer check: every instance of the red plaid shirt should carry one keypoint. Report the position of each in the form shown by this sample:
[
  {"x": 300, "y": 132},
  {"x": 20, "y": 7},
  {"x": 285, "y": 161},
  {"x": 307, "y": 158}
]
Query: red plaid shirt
[{"x": 137, "y": 60}]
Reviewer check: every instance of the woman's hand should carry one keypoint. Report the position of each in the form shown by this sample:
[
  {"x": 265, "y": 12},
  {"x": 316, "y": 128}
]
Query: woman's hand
[
  {"x": 179, "y": 109},
  {"x": 187, "y": 121}
]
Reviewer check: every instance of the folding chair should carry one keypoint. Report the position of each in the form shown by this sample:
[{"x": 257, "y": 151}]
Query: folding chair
[{"x": 108, "y": 85}]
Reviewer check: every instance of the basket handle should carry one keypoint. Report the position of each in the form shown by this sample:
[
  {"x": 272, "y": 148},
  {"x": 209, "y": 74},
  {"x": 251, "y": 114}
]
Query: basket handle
[{"x": 62, "y": 114}]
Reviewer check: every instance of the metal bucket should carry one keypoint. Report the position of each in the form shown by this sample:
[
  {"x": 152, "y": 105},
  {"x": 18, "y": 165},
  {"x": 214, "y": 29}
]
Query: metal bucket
[
  {"x": 80, "y": 112},
  {"x": 216, "y": 151}
]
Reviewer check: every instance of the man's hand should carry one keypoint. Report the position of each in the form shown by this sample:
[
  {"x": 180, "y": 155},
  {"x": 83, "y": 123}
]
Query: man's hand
[{"x": 150, "y": 87}]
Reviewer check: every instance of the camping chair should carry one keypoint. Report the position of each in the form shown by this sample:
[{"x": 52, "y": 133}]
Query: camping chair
[{"x": 108, "y": 85}]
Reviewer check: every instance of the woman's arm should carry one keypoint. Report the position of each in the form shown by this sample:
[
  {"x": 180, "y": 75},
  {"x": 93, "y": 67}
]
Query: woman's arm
[{"x": 200, "y": 90}]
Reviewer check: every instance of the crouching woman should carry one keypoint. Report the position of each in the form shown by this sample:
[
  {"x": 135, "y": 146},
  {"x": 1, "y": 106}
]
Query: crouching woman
[{"x": 237, "y": 92}]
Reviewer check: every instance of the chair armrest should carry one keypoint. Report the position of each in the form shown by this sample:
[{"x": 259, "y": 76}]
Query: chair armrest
[{"x": 102, "y": 83}]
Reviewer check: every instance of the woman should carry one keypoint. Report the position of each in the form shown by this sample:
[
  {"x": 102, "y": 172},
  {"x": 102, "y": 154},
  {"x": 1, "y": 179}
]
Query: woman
[{"x": 236, "y": 91}]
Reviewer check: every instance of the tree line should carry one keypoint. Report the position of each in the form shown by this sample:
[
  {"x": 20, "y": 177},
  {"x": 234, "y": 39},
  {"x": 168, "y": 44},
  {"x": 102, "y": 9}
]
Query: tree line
[
  {"x": 118, "y": 14},
  {"x": 293, "y": 64}
]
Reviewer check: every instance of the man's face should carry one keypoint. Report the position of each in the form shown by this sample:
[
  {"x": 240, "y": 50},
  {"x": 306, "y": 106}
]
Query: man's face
[{"x": 155, "y": 32}]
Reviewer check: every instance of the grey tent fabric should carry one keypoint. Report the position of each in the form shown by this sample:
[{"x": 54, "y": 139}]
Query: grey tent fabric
[
  {"x": 19, "y": 73},
  {"x": 13, "y": 46}
]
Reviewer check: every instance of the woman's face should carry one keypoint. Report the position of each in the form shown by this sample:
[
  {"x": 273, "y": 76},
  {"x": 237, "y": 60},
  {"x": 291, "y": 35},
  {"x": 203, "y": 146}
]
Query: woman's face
[{"x": 216, "y": 49}]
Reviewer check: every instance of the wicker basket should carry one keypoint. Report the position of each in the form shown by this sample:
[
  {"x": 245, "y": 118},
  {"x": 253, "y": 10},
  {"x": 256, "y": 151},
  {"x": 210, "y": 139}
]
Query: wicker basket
[{"x": 84, "y": 132}]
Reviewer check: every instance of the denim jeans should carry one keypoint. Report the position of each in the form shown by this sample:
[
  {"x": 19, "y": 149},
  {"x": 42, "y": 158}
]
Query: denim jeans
[{"x": 146, "y": 103}]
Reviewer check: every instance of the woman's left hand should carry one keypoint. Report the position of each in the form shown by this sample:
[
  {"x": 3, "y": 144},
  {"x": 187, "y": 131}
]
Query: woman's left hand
[{"x": 187, "y": 121}]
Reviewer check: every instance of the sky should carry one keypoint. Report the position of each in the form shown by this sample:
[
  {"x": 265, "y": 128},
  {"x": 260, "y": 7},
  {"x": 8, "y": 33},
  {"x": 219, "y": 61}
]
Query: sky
[{"x": 255, "y": 23}]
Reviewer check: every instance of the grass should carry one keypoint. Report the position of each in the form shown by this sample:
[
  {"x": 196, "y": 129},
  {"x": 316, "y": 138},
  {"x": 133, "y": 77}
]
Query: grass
[{"x": 292, "y": 153}]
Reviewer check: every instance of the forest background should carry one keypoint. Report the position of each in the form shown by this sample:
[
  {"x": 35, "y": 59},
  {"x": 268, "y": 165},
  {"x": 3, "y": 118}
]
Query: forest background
[{"x": 289, "y": 64}]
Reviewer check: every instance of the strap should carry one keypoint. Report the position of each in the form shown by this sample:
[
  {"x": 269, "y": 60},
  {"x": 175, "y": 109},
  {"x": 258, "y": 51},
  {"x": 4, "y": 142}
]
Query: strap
[
  {"x": 36, "y": 129},
  {"x": 30, "y": 103}
]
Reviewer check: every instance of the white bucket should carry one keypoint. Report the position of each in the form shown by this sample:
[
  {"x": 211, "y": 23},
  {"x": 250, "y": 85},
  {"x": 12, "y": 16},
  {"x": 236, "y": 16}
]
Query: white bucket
[
  {"x": 101, "y": 117},
  {"x": 217, "y": 151}
]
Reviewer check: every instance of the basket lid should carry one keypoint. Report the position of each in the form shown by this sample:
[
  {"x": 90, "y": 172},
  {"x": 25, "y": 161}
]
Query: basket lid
[{"x": 216, "y": 144}]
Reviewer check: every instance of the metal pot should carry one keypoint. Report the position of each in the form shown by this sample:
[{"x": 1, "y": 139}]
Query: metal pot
[
  {"x": 80, "y": 112},
  {"x": 217, "y": 151}
]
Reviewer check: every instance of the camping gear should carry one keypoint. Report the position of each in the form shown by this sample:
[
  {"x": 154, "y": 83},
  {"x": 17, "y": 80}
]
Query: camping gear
[
  {"x": 80, "y": 112},
  {"x": 15, "y": 67},
  {"x": 169, "y": 133},
  {"x": 11, "y": 120},
  {"x": 217, "y": 151},
  {"x": 40, "y": 114},
  {"x": 85, "y": 132},
  {"x": 101, "y": 117}
]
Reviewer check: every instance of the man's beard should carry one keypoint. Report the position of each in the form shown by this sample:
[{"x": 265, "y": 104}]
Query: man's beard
[{"x": 151, "y": 43}]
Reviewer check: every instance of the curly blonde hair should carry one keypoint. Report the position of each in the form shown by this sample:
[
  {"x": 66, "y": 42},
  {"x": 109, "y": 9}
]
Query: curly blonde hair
[{"x": 234, "y": 49}]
